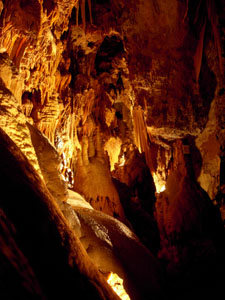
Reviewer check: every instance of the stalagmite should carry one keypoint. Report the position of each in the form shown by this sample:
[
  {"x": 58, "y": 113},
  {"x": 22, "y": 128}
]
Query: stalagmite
[
  {"x": 83, "y": 14},
  {"x": 93, "y": 179}
]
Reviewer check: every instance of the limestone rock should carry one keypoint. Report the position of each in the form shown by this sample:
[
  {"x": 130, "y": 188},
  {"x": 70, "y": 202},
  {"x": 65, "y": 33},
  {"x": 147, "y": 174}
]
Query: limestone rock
[
  {"x": 114, "y": 247},
  {"x": 13, "y": 122},
  {"x": 93, "y": 179},
  {"x": 54, "y": 252},
  {"x": 147, "y": 73},
  {"x": 190, "y": 226},
  {"x": 76, "y": 200},
  {"x": 48, "y": 159},
  {"x": 15, "y": 266}
]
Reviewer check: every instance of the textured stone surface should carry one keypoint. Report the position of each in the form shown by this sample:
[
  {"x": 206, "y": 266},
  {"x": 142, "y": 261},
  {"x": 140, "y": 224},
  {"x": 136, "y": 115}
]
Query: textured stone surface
[
  {"x": 49, "y": 161},
  {"x": 54, "y": 252},
  {"x": 139, "y": 56},
  {"x": 146, "y": 74},
  {"x": 93, "y": 179},
  {"x": 191, "y": 230},
  {"x": 114, "y": 247},
  {"x": 12, "y": 120}
]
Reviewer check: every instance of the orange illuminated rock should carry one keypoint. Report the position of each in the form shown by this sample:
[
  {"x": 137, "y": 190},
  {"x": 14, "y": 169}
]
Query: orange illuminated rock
[
  {"x": 49, "y": 162},
  {"x": 93, "y": 179},
  {"x": 190, "y": 226},
  {"x": 113, "y": 247},
  {"x": 117, "y": 284},
  {"x": 57, "y": 258}
]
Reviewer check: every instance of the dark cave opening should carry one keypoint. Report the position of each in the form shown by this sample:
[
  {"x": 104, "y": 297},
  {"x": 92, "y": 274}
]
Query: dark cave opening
[{"x": 111, "y": 47}]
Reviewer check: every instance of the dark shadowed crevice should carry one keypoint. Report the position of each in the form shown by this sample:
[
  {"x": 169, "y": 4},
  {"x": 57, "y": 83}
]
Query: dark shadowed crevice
[{"x": 111, "y": 47}]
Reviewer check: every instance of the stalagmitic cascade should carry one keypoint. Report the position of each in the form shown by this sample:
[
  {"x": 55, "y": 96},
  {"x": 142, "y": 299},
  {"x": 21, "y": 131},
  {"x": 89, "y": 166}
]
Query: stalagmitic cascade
[{"x": 93, "y": 179}]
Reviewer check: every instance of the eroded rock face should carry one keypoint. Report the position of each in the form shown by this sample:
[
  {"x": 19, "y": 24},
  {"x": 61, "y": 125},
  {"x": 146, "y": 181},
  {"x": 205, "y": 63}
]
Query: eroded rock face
[
  {"x": 136, "y": 189},
  {"x": 114, "y": 247},
  {"x": 13, "y": 121},
  {"x": 146, "y": 73},
  {"x": 34, "y": 213},
  {"x": 93, "y": 179},
  {"x": 49, "y": 161},
  {"x": 191, "y": 231},
  {"x": 160, "y": 49},
  {"x": 173, "y": 105},
  {"x": 123, "y": 54}
]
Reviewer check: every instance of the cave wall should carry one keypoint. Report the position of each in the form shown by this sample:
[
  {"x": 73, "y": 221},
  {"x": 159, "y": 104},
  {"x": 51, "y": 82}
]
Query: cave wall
[
  {"x": 118, "y": 88},
  {"x": 76, "y": 66},
  {"x": 40, "y": 256}
]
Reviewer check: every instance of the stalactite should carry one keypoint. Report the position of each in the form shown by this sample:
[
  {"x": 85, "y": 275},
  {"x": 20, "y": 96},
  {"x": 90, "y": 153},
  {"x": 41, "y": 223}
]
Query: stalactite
[
  {"x": 93, "y": 178},
  {"x": 77, "y": 13},
  {"x": 211, "y": 16},
  {"x": 91, "y": 148},
  {"x": 88, "y": 100},
  {"x": 186, "y": 11},
  {"x": 141, "y": 136},
  {"x": 199, "y": 52},
  {"x": 211, "y": 9},
  {"x": 155, "y": 164},
  {"x": 1, "y": 6},
  {"x": 20, "y": 51},
  {"x": 79, "y": 159},
  {"x": 85, "y": 150},
  {"x": 82, "y": 3},
  {"x": 83, "y": 15},
  {"x": 90, "y": 11},
  {"x": 99, "y": 148},
  {"x": 49, "y": 130}
]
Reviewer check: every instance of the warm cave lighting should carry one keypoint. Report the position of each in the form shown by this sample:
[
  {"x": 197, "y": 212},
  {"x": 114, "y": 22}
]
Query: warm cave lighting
[
  {"x": 160, "y": 184},
  {"x": 162, "y": 189},
  {"x": 117, "y": 285},
  {"x": 122, "y": 161}
]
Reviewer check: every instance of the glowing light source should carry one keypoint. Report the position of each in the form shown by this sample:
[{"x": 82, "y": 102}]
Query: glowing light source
[
  {"x": 117, "y": 285},
  {"x": 122, "y": 161},
  {"x": 162, "y": 189},
  {"x": 112, "y": 146},
  {"x": 64, "y": 169},
  {"x": 160, "y": 184}
]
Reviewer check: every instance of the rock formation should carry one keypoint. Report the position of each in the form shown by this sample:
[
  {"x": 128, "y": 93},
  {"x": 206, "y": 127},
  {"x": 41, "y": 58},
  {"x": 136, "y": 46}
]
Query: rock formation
[
  {"x": 122, "y": 103},
  {"x": 191, "y": 231},
  {"x": 60, "y": 263},
  {"x": 93, "y": 179}
]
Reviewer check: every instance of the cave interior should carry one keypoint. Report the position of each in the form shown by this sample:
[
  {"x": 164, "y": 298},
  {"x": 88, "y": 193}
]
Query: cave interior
[{"x": 112, "y": 149}]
